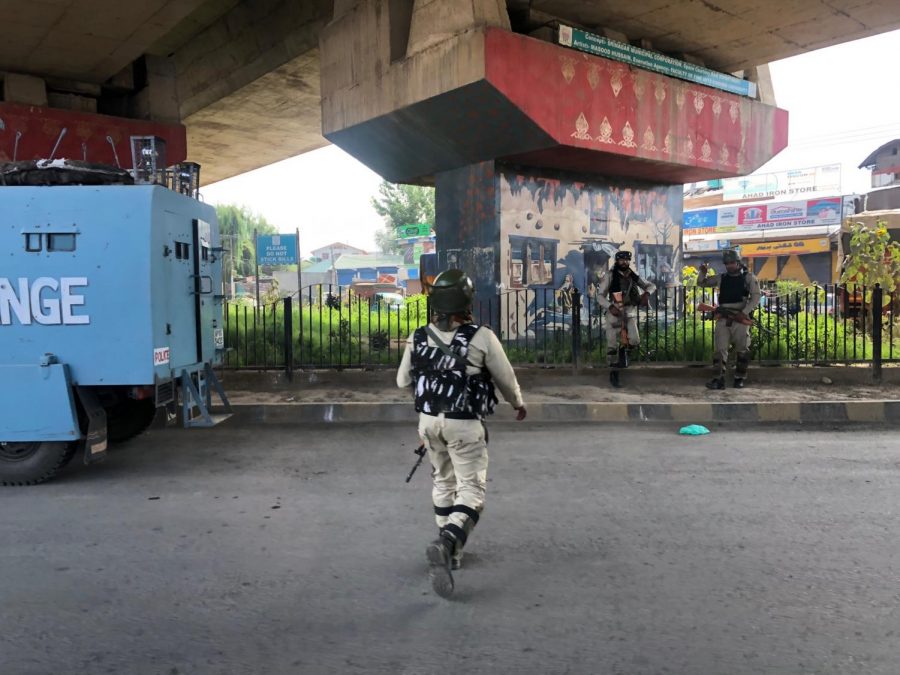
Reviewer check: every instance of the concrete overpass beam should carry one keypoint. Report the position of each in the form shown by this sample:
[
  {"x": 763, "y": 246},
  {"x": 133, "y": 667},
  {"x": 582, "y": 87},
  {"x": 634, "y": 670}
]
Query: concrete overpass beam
[
  {"x": 487, "y": 93},
  {"x": 245, "y": 44},
  {"x": 765, "y": 88},
  {"x": 24, "y": 89},
  {"x": 158, "y": 99},
  {"x": 435, "y": 21},
  {"x": 401, "y": 13},
  {"x": 341, "y": 7},
  {"x": 247, "y": 85}
]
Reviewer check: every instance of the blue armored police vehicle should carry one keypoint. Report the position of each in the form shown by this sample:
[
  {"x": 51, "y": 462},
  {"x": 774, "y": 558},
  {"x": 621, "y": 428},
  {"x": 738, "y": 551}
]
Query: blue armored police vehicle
[{"x": 110, "y": 308}]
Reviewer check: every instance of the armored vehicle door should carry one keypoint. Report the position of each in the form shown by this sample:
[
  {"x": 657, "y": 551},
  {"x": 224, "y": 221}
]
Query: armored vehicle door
[{"x": 204, "y": 303}]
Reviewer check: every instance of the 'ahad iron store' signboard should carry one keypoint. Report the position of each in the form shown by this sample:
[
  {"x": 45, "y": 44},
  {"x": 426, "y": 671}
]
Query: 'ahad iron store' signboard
[
  {"x": 777, "y": 215},
  {"x": 793, "y": 184}
]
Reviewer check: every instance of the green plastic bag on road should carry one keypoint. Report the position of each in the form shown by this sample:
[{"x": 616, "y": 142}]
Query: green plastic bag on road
[{"x": 694, "y": 430}]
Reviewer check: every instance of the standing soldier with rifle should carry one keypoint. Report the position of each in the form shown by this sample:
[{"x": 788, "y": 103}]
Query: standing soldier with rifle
[
  {"x": 621, "y": 293},
  {"x": 738, "y": 298},
  {"x": 452, "y": 365}
]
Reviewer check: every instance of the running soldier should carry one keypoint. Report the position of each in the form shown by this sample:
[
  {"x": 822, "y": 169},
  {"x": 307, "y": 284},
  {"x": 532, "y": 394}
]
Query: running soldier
[{"x": 452, "y": 363}]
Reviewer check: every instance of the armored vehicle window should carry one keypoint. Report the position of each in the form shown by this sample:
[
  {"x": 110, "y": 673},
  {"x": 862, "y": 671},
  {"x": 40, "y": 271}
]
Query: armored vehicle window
[
  {"x": 60, "y": 242},
  {"x": 33, "y": 243},
  {"x": 182, "y": 250},
  {"x": 204, "y": 253}
]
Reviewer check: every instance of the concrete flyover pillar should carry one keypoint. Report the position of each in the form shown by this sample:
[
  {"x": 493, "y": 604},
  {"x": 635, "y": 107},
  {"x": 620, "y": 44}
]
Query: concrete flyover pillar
[
  {"x": 522, "y": 232},
  {"x": 546, "y": 160}
]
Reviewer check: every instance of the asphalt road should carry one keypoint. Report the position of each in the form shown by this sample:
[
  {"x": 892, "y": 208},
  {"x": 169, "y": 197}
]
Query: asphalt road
[{"x": 602, "y": 550}]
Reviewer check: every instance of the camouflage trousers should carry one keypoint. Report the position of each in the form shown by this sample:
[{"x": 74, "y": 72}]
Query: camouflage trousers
[{"x": 736, "y": 334}]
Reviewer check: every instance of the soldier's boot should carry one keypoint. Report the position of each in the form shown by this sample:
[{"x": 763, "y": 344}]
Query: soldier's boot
[
  {"x": 612, "y": 357},
  {"x": 716, "y": 383},
  {"x": 740, "y": 369},
  {"x": 456, "y": 560},
  {"x": 440, "y": 554},
  {"x": 614, "y": 379}
]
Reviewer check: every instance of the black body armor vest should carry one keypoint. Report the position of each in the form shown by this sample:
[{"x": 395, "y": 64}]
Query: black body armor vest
[
  {"x": 628, "y": 287},
  {"x": 733, "y": 289},
  {"x": 442, "y": 384}
]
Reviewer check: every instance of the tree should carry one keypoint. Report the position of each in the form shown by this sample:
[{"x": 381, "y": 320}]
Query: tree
[
  {"x": 401, "y": 205},
  {"x": 873, "y": 259},
  {"x": 236, "y": 225}
]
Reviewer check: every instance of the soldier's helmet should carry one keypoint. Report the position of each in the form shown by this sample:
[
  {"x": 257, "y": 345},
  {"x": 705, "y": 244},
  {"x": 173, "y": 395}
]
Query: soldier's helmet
[
  {"x": 731, "y": 256},
  {"x": 623, "y": 255},
  {"x": 452, "y": 292}
]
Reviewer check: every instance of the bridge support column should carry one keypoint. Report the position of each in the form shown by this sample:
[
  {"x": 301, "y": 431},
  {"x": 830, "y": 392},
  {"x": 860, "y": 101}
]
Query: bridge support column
[
  {"x": 527, "y": 231},
  {"x": 546, "y": 160}
]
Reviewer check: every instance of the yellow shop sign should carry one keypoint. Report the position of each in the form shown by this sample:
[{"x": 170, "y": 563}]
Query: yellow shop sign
[{"x": 791, "y": 247}]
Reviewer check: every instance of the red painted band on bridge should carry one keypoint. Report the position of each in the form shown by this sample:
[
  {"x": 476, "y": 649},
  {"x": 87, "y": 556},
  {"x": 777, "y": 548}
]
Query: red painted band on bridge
[
  {"x": 32, "y": 132},
  {"x": 589, "y": 103}
]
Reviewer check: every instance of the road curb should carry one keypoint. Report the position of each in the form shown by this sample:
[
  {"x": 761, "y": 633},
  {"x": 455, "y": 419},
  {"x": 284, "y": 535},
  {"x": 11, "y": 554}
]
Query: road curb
[{"x": 831, "y": 412}]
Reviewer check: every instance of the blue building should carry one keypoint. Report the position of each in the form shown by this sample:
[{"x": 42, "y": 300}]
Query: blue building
[{"x": 368, "y": 267}]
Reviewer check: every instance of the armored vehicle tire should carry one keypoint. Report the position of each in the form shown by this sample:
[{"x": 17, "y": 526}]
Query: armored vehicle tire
[
  {"x": 129, "y": 418},
  {"x": 33, "y": 462}
]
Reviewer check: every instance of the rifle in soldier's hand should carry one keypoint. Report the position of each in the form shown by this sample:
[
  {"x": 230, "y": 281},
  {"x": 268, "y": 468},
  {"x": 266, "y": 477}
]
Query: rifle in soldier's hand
[
  {"x": 420, "y": 451},
  {"x": 729, "y": 314},
  {"x": 726, "y": 313}
]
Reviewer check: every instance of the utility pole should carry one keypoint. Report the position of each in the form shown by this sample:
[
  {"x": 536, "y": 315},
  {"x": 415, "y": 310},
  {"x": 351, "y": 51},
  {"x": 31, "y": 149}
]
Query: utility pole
[
  {"x": 299, "y": 265},
  {"x": 256, "y": 260},
  {"x": 333, "y": 270},
  {"x": 231, "y": 263}
]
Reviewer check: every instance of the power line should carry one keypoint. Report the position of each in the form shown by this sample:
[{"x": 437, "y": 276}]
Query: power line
[
  {"x": 848, "y": 136},
  {"x": 845, "y": 140},
  {"x": 811, "y": 147},
  {"x": 873, "y": 128}
]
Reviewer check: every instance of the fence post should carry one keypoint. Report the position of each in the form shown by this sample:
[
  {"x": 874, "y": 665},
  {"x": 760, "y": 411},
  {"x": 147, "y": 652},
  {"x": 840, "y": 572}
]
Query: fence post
[
  {"x": 289, "y": 338},
  {"x": 877, "y": 302},
  {"x": 576, "y": 328}
]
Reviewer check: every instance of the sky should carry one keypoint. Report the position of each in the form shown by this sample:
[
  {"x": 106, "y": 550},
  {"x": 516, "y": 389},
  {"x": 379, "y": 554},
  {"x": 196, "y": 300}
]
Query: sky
[{"x": 843, "y": 103}]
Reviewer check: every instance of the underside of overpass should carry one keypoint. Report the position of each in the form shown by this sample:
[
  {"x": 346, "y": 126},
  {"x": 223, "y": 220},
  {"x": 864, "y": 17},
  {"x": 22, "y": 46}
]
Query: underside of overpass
[{"x": 243, "y": 76}]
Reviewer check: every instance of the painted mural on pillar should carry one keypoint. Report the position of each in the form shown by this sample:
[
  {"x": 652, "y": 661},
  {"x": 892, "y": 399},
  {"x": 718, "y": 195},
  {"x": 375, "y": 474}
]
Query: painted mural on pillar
[{"x": 556, "y": 233}]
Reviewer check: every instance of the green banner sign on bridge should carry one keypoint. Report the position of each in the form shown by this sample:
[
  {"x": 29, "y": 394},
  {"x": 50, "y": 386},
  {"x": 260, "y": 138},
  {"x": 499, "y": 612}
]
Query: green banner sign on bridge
[
  {"x": 414, "y": 231},
  {"x": 658, "y": 63}
]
